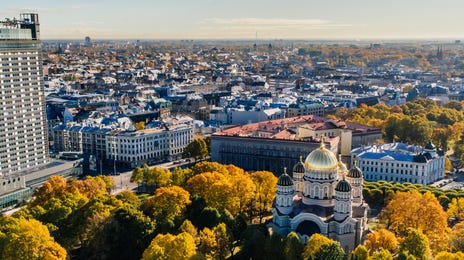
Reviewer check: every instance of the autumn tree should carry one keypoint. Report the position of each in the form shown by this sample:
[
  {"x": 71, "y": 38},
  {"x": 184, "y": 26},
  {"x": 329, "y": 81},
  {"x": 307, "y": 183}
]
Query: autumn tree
[
  {"x": 27, "y": 239},
  {"x": 314, "y": 244},
  {"x": 242, "y": 192},
  {"x": 167, "y": 205},
  {"x": 154, "y": 177},
  {"x": 457, "y": 237},
  {"x": 383, "y": 254},
  {"x": 211, "y": 186},
  {"x": 208, "y": 243},
  {"x": 139, "y": 125},
  {"x": 381, "y": 239},
  {"x": 359, "y": 253},
  {"x": 205, "y": 166},
  {"x": 456, "y": 209},
  {"x": 265, "y": 189},
  {"x": 189, "y": 228},
  {"x": 418, "y": 211},
  {"x": 449, "y": 256},
  {"x": 169, "y": 246}
]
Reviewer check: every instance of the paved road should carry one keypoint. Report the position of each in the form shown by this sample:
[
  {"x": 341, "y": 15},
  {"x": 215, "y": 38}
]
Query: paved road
[{"x": 122, "y": 182}]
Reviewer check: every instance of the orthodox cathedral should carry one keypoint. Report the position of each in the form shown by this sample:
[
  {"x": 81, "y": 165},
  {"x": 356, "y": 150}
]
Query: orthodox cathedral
[{"x": 322, "y": 197}]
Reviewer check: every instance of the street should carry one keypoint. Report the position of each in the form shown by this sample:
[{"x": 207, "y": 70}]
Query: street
[{"x": 122, "y": 182}]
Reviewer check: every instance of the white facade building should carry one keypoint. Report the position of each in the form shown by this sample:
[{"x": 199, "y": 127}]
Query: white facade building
[
  {"x": 399, "y": 162},
  {"x": 149, "y": 145}
]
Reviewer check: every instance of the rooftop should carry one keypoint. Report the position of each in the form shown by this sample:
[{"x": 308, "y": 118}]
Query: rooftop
[{"x": 287, "y": 128}]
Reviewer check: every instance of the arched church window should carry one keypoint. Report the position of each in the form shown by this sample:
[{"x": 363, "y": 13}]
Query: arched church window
[
  {"x": 289, "y": 203},
  {"x": 316, "y": 192},
  {"x": 326, "y": 193}
]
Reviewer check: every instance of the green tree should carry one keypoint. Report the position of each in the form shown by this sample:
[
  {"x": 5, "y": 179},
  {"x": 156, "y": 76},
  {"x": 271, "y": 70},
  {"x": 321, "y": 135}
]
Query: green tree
[
  {"x": 253, "y": 242},
  {"x": 293, "y": 247},
  {"x": 127, "y": 226},
  {"x": 209, "y": 217},
  {"x": 180, "y": 176},
  {"x": 331, "y": 250},
  {"x": 416, "y": 244},
  {"x": 158, "y": 177},
  {"x": 224, "y": 241},
  {"x": 137, "y": 176},
  {"x": 196, "y": 148}
]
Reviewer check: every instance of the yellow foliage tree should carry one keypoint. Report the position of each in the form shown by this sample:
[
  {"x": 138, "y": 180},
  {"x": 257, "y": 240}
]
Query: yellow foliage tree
[
  {"x": 314, "y": 243},
  {"x": 213, "y": 187},
  {"x": 139, "y": 125},
  {"x": 359, "y": 253},
  {"x": 167, "y": 204},
  {"x": 381, "y": 239},
  {"x": 208, "y": 243},
  {"x": 457, "y": 237},
  {"x": 241, "y": 193},
  {"x": 169, "y": 246},
  {"x": 418, "y": 211},
  {"x": 265, "y": 189},
  {"x": 449, "y": 256},
  {"x": 456, "y": 209},
  {"x": 29, "y": 239},
  {"x": 203, "y": 167}
]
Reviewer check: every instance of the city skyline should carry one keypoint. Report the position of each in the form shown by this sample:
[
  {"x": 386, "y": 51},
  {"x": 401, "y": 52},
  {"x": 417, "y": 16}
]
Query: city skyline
[{"x": 211, "y": 19}]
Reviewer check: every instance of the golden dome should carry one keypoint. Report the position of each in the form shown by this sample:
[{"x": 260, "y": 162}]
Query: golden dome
[
  {"x": 342, "y": 167},
  {"x": 321, "y": 159}
]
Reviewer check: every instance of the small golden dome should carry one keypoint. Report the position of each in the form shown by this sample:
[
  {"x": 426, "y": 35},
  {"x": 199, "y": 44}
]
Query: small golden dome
[
  {"x": 342, "y": 167},
  {"x": 321, "y": 159}
]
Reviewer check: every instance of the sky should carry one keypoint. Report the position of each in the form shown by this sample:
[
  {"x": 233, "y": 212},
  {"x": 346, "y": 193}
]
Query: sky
[{"x": 244, "y": 19}]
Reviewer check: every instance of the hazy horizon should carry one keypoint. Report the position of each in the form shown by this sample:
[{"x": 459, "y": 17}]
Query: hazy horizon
[{"x": 245, "y": 20}]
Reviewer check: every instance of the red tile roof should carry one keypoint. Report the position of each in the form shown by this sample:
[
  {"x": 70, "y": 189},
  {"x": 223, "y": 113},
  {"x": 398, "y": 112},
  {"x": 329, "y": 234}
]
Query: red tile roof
[{"x": 282, "y": 128}]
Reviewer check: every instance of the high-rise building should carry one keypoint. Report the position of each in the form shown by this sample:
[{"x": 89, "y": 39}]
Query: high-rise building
[
  {"x": 24, "y": 157},
  {"x": 23, "y": 144}
]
